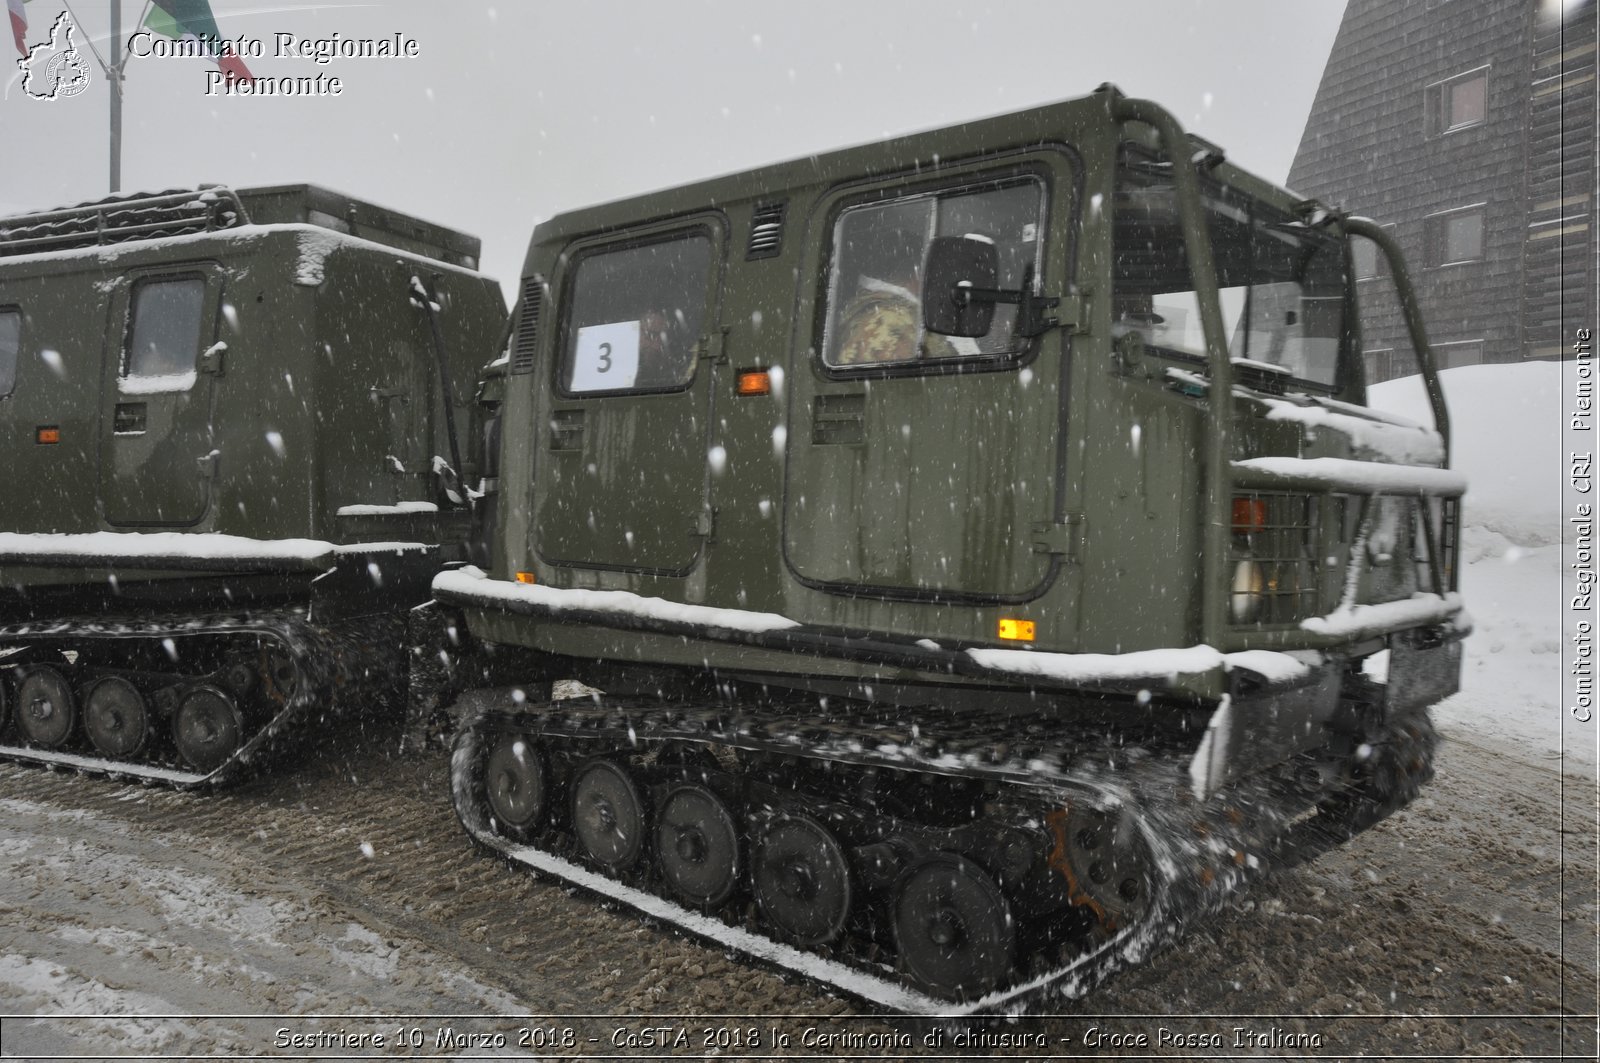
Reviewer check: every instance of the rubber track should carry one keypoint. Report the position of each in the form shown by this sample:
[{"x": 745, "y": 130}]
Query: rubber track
[
  {"x": 310, "y": 649},
  {"x": 1202, "y": 853}
]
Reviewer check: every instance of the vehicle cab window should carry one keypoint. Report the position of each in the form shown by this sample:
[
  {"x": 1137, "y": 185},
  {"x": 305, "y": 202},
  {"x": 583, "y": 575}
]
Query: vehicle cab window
[
  {"x": 1281, "y": 282},
  {"x": 635, "y": 316},
  {"x": 875, "y": 274},
  {"x": 164, "y": 337},
  {"x": 10, "y": 344}
]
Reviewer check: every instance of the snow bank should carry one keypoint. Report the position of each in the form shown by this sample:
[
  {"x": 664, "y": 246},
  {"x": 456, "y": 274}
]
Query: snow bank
[
  {"x": 1506, "y": 423},
  {"x": 1505, "y": 439}
]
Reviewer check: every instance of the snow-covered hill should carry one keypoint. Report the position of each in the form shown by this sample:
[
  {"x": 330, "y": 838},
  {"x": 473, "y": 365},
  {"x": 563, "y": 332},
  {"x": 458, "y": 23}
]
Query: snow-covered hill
[{"x": 1506, "y": 423}]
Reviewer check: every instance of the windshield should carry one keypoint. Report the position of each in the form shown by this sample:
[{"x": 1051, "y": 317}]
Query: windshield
[{"x": 1281, "y": 282}]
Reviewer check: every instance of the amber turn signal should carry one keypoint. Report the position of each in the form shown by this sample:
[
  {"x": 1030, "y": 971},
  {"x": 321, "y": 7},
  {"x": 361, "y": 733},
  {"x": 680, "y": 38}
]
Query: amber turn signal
[
  {"x": 47, "y": 434},
  {"x": 1249, "y": 514},
  {"x": 753, "y": 382},
  {"x": 1019, "y": 630},
  {"x": 526, "y": 577}
]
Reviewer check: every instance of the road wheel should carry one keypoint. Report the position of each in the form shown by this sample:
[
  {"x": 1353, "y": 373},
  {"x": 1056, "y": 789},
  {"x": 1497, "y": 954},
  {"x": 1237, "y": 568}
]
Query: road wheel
[
  {"x": 46, "y": 711},
  {"x": 802, "y": 880},
  {"x": 207, "y": 728},
  {"x": 116, "y": 717}
]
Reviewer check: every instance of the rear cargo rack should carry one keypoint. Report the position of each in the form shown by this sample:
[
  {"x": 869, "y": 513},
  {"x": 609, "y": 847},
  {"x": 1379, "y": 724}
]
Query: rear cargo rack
[{"x": 123, "y": 219}]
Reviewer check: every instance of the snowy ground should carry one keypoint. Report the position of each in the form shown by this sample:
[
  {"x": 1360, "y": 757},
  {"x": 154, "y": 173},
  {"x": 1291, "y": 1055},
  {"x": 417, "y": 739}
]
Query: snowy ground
[
  {"x": 146, "y": 924},
  {"x": 1507, "y": 440}
]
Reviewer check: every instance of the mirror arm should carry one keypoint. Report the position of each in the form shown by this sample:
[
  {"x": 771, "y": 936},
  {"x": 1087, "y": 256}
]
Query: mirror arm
[{"x": 1031, "y": 318}]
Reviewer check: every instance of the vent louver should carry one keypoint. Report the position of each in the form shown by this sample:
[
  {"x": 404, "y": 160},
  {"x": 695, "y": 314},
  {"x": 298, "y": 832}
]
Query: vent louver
[
  {"x": 766, "y": 231},
  {"x": 528, "y": 325}
]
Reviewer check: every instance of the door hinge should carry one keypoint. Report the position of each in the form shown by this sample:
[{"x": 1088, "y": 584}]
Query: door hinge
[
  {"x": 1072, "y": 314},
  {"x": 1064, "y": 537},
  {"x": 208, "y": 465},
  {"x": 705, "y": 524},
  {"x": 211, "y": 359},
  {"x": 714, "y": 347}
]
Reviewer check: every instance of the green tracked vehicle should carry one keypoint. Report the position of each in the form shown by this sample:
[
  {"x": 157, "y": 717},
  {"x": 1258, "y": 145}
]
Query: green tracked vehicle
[
  {"x": 235, "y": 458},
  {"x": 978, "y": 546}
]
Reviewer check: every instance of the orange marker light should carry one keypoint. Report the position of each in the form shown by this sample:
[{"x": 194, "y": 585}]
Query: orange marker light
[
  {"x": 47, "y": 434},
  {"x": 753, "y": 382},
  {"x": 526, "y": 577},
  {"x": 1249, "y": 514},
  {"x": 1019, "y": 630}
]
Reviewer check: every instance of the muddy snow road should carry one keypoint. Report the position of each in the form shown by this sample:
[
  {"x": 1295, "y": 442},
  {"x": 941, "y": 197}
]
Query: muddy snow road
[{"x": 140, "y": 922}]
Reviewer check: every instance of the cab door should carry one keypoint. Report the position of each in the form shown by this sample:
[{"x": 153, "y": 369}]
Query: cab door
[
  {"x": 622, "y": 472},
  {"x": 923, "y": 466},
  {"x": 158, "y": 375}
]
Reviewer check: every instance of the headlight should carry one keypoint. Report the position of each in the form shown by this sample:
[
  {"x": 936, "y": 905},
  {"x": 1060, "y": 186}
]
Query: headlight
[{"x": 1248, "y": 584}]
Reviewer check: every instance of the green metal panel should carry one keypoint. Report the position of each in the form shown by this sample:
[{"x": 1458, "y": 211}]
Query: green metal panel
[
  {"x": 936, "y": 476},
  {"x": 156, "y": 427},
  {"x": 623, "y": 473}
]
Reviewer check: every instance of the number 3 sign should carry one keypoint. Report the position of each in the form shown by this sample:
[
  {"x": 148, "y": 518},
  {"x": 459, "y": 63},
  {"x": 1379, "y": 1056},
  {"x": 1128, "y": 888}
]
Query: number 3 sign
[{"x": 607, "y": 357}]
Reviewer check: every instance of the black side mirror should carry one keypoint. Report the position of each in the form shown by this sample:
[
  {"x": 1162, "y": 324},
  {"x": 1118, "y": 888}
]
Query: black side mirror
[{"x": 957, "y": 266}]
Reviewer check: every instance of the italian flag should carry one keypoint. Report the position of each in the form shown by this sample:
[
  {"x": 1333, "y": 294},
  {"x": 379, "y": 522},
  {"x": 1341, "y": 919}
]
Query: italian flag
[
  {"x": 19, "y": 25},
  {"x": 190, "y": 20}
]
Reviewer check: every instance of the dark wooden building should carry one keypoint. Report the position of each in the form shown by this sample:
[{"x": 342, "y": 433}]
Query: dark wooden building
[{"x": 1469, "y": 127}]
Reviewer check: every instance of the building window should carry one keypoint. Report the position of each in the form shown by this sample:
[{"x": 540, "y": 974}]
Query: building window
[
  {"x": 1458, "y": 103},
  {"x": 1459, "y": 353},
  {"x": 1454, "y": 236},
  {"x": 1380, "y": 364},
  {"x": 1365, "y": 258}
]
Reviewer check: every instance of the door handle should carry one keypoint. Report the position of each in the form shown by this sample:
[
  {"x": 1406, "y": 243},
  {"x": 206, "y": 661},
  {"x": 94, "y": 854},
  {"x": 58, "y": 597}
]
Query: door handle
[
  {"x": 566, "y": 429},
  {"x": 839, "y": 419}
]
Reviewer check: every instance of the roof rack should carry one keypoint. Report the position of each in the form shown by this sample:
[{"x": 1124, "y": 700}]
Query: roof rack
[{"x": 123, "y": 219}]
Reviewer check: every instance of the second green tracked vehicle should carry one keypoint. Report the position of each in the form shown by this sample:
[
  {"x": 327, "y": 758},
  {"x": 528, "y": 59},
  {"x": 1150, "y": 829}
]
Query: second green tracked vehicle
[{"x": 237, "y": 427}]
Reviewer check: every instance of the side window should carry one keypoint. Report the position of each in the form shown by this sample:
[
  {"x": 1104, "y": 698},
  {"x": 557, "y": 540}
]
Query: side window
[
  {"x": 10, "y": 343},
  {"x": 1453, "y": 236},
  {"x": 1460, "y": 102},
  {"x": 1367, "y": 260},
  {"x": 164, "y": 338},
  {"x": 1280, "y": 282},
  {"x": 635, "y": 317},
  {"x": 875, "y": 277}
]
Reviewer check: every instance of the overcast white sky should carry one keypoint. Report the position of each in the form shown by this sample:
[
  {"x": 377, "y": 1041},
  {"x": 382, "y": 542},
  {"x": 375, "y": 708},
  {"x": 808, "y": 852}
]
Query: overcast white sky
[{"x": 516, "y": 111}]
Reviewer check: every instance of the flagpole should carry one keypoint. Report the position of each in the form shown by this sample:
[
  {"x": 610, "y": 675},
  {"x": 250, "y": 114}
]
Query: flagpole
[{"x": 114, "y": 75}]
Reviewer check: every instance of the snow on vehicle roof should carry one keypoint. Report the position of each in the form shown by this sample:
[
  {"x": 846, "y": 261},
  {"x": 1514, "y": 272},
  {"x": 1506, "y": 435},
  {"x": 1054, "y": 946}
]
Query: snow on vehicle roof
[{"x": 317, "y": 244}]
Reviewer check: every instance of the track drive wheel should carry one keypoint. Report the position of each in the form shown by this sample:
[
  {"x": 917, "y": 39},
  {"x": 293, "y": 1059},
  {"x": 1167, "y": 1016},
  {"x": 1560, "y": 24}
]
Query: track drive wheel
[
  {"x": 698, "y": 846},
  {"x": 207, "y": 728},
  {"x": 46, "y": 710},
  {"x": 1103, "y": 856},
  {"x": 802, "y": 880},
  {"x": 516, "y": 786},
  {"x": 953, "y": 927},
  {"x": 608, "y": 815},
  {"x": 116, "y": 717}
]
